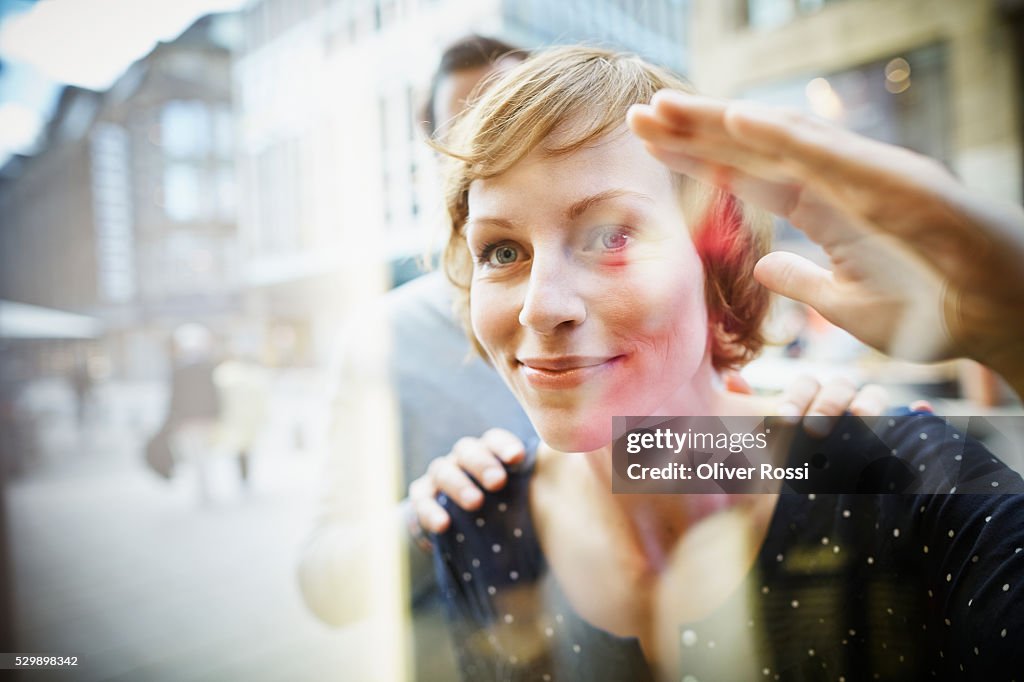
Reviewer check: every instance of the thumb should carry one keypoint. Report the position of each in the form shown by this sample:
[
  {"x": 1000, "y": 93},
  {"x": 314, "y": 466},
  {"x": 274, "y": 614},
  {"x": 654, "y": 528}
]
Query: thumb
[{"x": 797, "y": 278}]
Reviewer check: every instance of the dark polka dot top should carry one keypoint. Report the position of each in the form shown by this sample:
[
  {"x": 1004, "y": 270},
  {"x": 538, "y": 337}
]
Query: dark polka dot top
[{"x": 863, "y": 586}]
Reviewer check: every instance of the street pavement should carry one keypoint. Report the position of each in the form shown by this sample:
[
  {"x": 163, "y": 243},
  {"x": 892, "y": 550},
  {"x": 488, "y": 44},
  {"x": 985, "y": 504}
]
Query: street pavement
[{"x": 141, "y": 581}]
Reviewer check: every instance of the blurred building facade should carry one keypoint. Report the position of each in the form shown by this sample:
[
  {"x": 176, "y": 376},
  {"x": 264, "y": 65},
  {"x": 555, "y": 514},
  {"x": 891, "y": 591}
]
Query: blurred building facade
[
  {"x": 128, "y": 212},
  {"x": 337, "y": 180},
  {"x": 344, "y": 191},
  {"x": 937, "y": 76}
]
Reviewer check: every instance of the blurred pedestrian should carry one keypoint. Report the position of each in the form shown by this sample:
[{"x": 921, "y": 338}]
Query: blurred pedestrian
[
  {"x": 243, "y": 390},
  {"x": 189, "y": 428},
  {"x": 81, "y": 381}
]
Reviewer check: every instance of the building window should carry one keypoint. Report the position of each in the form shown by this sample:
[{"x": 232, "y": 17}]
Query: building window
[
  {"x": 767, "y": 14},
  {"x": 903, "y": 99},
  {"x": 181, "y": 192},
  {"x": 185, "y": 129}
]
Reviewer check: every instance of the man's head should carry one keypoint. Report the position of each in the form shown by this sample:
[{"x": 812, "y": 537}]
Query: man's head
[{"x": 464, "y": 65}]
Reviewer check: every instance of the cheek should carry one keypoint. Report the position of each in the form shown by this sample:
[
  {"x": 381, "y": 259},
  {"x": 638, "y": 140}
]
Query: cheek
[
  {"x": 663, "y": 308},
  {"x": 492, "y": 315}
]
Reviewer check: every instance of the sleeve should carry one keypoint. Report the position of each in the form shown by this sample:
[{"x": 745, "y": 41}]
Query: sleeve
[
  {"x": 974, "y": 560},
  {"x": 977, "y": 582},
  {"x": 488, "y": 566},
  {"x": 961, "y": 510}
]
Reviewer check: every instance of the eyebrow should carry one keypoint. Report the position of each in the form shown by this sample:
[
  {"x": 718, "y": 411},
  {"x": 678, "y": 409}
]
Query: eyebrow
[
  {"x": 497, "y": 222},
  {"x": 580, "y": 207},
  {"x": 575, "y": 210}
]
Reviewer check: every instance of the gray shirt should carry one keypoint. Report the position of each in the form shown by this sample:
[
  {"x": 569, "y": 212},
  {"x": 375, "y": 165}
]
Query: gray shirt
[{"x": 444, "y": 389}]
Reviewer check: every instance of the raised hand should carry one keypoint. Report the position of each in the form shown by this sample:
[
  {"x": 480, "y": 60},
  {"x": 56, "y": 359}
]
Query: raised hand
[{"x": 922, "y": 268}]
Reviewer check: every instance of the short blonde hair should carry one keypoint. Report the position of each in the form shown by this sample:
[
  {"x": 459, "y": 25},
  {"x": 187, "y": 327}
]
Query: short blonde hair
[{"x": 582, "y": 94}]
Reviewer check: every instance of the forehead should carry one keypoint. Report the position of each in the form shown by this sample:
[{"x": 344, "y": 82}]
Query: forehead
[{"x": 617, "y": 161}]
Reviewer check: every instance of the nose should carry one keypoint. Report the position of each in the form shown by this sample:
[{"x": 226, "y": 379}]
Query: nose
[{"x": 553, "y": 299}]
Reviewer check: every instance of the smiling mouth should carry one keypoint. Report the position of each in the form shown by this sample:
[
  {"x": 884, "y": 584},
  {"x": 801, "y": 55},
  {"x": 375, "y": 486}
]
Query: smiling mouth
[{"x": 566, "y": 371}]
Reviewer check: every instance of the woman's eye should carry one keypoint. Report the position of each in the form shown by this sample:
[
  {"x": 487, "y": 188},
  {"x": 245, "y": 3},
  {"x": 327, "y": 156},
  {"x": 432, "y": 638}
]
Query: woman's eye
[
  {"x": 503, "y": 255},
  {"x": 614, "y": 240}
]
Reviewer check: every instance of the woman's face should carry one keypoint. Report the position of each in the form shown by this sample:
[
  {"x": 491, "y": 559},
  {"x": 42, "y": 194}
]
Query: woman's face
[{"x": 587, "y": 293}]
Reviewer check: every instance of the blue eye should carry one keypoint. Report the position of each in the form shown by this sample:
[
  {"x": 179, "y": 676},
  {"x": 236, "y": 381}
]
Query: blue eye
[
  {"x": 504, "y": 254},
  {"x": 613, "y": 240}
]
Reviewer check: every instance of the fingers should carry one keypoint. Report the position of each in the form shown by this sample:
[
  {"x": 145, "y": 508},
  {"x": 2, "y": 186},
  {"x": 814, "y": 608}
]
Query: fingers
[
  {"x": 757, "y": 181},
  {"x": 471, "y": 458},
  {"x": 796, "y": 398},
  {"x": 797, "y": 278},
  {"x": 451, "y": 480},
  {"x": 822, "y": 404},
  {"x": 858, "y": 177},
  {"x": 871, "y": 401},
  {"x": 677, "y": 122},
  {"x": 431, "y": 516},
  {"x": 768, "y": 141},
  {"x": 828, "y": 405},
  {"x": 778, "y": 197},
  {"x": 476, "y": 458},
  {"x": 865, "y": 173},
  {"x": 834, "y": 398},
  {"x": 809, "y": 145},
  {"x": 506, "y": 445},
  {"x": 862, "y": 178}
]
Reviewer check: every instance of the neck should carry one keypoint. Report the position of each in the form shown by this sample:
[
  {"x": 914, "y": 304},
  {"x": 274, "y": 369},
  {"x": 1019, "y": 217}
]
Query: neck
[
  {"x": 698, "y": 396},
  {"x": 702, "y": 395}
]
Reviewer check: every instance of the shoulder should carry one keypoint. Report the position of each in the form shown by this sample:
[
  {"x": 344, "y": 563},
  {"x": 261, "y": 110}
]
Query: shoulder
[
  {"x": 495, "y": 545},
  {"x": 946, "y": 457},
  {"x": 429, "y": 293},
  {"x": 411, "y": 320},
  {"x": 905, "y": 452},
  {"x": 424, "y": 301}
]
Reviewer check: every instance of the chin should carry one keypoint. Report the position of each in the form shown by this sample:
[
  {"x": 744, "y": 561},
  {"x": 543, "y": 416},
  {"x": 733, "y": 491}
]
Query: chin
[{"x": 575, "y": 435}]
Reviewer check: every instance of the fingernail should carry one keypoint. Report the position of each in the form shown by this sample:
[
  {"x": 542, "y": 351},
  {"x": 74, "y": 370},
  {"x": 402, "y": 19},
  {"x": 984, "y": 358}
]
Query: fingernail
[
  {"x": 511, "y": 452},
  {"x": 470, "y": 496},
  {"x": 789, "y": 413},
  {"x": 437, "y": 520},
  {"x": 493, "y": 477},
  {"x": 817, "y": 425}
]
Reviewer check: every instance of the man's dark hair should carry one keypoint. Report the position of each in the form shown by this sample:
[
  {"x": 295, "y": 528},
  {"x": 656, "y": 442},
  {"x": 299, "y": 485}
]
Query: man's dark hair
[{"x": 470, "y": 52}]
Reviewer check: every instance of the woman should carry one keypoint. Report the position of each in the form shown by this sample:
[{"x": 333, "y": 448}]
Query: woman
[{"x": 598, "y": 283}]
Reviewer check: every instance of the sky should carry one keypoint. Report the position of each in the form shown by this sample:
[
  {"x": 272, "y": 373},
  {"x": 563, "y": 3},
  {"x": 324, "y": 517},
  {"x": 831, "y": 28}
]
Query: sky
[{"x": 88, "y": 43}]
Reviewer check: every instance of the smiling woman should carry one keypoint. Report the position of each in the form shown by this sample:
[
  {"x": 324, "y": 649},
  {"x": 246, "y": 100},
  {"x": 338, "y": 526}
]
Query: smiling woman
[
  {"x": 600, "y": 284},
  {"x": 608, "y": 233},
  {"x": 590, "y": 300}
]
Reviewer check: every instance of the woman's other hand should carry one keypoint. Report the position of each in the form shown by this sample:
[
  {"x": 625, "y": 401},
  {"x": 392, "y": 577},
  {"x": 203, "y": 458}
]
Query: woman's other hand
[
  {"x": 473, "y": 463},
  {"x": 820, "y": 404},
  {"x": 922, "y": 268}
]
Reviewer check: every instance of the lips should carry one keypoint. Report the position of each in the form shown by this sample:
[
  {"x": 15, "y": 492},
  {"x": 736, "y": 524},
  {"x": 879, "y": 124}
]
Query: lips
[{"x": 567, "y": 371}]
